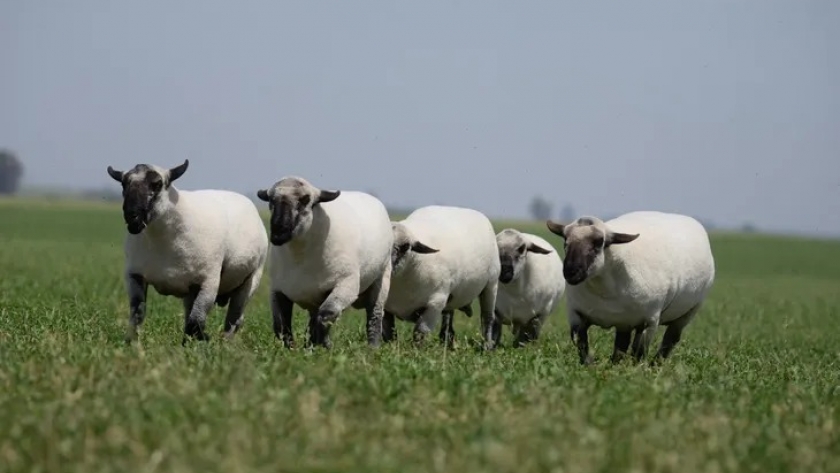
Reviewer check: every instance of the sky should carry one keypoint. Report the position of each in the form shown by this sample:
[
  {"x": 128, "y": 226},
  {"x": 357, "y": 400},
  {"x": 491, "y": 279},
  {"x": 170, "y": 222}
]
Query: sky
[{"x": 726, "y": 110}]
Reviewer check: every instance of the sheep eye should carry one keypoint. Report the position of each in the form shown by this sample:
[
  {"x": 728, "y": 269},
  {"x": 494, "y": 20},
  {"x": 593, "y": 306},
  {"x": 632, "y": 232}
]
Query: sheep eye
[{"x": 522, "y": 249}]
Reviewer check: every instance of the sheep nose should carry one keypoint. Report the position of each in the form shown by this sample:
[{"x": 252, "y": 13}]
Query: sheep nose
[
  {"x": 279, "y": 239},
  {"x": 572, "y": 276}
]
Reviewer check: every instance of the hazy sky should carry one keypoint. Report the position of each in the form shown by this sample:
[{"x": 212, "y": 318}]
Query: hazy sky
[{"x": 727, "y": 110}]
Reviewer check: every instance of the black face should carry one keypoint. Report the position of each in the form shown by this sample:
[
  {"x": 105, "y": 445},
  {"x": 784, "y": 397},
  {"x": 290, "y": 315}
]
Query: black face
[
  {"x": 579, "y": 258},
  {"x": 292, "y": 202},
  {"x": 510, "y": 259},
  {"x": 142, "y": 187},
  {"x": 285, "y": 217},
  {"x": 141, "y": 190},
  {"x": 506, "y": 274}
]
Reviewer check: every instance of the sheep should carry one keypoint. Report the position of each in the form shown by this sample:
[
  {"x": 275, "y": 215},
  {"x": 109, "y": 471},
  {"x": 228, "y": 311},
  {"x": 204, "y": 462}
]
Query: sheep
[
  {"x": 202, "y": 246},
  {"x": 329, "y": 250},
  {"x": 635, "y": 272},
  {"x": 531, "y": 283},
  {"x": 443, "y": 258}
]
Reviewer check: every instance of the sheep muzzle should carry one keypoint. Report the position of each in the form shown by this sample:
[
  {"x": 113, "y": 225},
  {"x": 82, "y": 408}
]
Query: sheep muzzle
[{"x": 506, "y": 274}]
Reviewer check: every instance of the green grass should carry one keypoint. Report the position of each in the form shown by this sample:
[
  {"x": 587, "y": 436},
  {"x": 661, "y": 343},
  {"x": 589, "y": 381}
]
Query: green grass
[{"x": 754, "y": 386}]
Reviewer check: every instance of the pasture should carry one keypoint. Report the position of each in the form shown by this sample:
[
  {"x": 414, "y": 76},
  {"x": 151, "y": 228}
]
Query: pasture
[{"x": 753, "y": 386}]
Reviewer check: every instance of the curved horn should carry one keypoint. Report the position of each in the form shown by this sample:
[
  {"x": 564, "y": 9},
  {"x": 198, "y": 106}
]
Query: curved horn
[
  {"x": 116, "y": 175},
  {"x": 328, "y": 196},
  {"x": 178, "y": 171},
  {"x": 555, "y": 227}
]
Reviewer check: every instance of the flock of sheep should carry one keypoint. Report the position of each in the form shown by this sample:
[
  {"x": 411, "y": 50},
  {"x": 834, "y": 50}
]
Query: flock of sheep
[{"x": 331, "y": 250}]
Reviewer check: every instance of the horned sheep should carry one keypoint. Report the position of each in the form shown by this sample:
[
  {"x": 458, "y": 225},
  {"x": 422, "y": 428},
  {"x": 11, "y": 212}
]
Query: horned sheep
[
  {"x": 635, "y": 272},
  {"x": 443, "y": 258},
  {"x": 531, "y": 283},
  {"x": 203, "y": 246},
  {"x": 330, "y": 250}
]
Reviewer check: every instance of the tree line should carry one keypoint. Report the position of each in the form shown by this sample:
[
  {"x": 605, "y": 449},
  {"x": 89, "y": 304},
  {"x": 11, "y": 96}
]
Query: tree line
[{"x": 11, "y": 172}]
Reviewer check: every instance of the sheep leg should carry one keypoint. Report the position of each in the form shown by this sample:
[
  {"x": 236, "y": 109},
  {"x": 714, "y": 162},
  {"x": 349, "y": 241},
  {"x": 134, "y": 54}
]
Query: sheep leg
[
  {"x": 428, "y": 319},
  {"x": 622, "y": 342},
  {"x": 389, "y": 330},
  {"x": 516, "y": 330},
  {"x": 497, "y": 330},
  {"x": 580, "y": 330},
  {"x": 637, "y": 339},
  {"x": 342, "y": 296},
  {"x": 644, "y": 335},
  {"x": 673, "y": 334},
  {"x": 196, "y": 307},
  {"x": 447, "y": 330},
  {"x": 281, "y": 313},
  {"x": 529, "y": 331},
  {"x": 238, "y": 300},
  {"x": 375, "y": 310},
  {"x": 487, "y": 303},
  {"x": 137, "y": 289},
  {"x": 316, "y": 330}
]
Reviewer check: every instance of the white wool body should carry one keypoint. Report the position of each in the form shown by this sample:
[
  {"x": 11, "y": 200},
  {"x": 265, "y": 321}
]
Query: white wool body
[
  {"x": 655, "y": 279},
  {"x": 199, "y": 236},
  {"x": 464, "y": 267},
  {"x": 536, "y": 291},
  {"x": 350, "y": 240}
]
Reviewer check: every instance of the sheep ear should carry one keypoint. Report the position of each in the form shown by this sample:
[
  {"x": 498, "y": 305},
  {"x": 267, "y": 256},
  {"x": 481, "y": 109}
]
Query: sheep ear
[
  {"x": 617, "y": 238},
  {"x": 328, "y": 196},
  {"x": 533, "y": 248},
  {"x": 263, "y": 195},
  {"x": 178, "y": 171},
  {"x": 556, "y": 227},
  {"x": 418, "y": 247},
  {"x": 116, "y": 175}
]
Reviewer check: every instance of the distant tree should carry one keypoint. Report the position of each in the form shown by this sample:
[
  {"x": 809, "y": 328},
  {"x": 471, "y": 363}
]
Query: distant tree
[
  {"x": 540, "y": 208},
  {"x": 567, "y": 214},
  {"x": 748, "y": 227},
  {"x": 11, "y": 170}
]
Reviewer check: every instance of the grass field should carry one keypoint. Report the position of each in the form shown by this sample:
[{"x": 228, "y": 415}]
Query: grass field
[{"x": 754, "y": 385}]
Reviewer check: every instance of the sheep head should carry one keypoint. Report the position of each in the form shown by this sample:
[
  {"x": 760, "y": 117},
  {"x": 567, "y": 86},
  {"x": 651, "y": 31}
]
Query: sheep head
[
  {"x": 292, "y": 201},
  {"x": 144, "y": 190},
  {"x": 585, "y": 240},
  {"x": 513, "y": 251}
]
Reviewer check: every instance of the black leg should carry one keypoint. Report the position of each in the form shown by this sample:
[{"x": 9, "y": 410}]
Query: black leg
[
  {"x": 447, "y": 330},
  {"x": 281, "y": 311},
  {"x": 581, "y": 332},
  {"x": 622, "y": 342},
  {"x": 137, "y": 291},
  {"x": 314, "y": 338},
  {"x": 497, "y": 331},
  {"x": 196, "y": 307},
  {"x": 389, "y": 329},
  {"x": 529, "y": 331}
]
